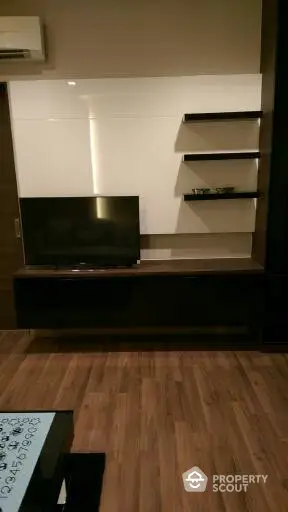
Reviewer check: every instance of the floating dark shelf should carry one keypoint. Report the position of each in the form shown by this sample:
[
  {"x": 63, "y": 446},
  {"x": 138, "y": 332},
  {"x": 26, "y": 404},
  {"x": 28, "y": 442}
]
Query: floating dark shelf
[
  {"x": 222, "y": 116},
  {"x": 228, "y": 195},
  {"x": 221, "y": 156}
]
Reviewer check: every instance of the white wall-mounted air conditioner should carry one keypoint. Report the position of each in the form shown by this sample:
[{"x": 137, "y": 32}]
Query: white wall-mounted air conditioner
[{"x": 21, "y": 38}]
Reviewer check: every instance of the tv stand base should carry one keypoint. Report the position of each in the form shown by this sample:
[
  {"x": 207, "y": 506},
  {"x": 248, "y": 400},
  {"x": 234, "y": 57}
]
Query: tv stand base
[{"x": 152, "y": 294}]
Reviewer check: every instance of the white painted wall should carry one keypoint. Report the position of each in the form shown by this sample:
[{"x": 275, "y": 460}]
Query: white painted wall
[
  {"x": 90, "y": 39},
  {"x": 125, "y": 136}
]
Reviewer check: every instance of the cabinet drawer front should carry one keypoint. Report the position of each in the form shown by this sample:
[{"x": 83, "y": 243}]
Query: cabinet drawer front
[{"x": 140, "y": 301}]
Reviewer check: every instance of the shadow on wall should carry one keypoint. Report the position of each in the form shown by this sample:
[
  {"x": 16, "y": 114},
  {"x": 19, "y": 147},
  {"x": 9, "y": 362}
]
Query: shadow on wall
[
  {"x": 143, "y": 38},
  {"x": 241, "y": 174},
  {"x": 217, "y": 216},
  {"x": 218, "y": 136},
  {"x": 212, "y": 245}
]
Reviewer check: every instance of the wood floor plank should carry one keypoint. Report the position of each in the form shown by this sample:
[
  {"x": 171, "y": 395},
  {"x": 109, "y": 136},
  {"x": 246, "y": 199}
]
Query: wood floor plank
[
  {"x": 196, "y": 450},
  {"x": 158, "y": 413},
  {"x": 9, "y": 367},
  {"x": 269, "y": 387},
  {"x": 91, "y": 420},
  {"x": 14, "y": 342},
  {"x": 149, "y": 495},
  {"x": 261, "y": 453},
  {"x": 23, "y": 384},
  {"x": 73, "y": 384},
  {"x": 243, "y": 458}
]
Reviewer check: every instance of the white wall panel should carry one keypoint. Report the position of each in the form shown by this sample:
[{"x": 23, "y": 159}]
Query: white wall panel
[
  {"x": 125, "y": 136},
  {"x": 145, "y": 97},
  {"x": 53, "y": 157}
]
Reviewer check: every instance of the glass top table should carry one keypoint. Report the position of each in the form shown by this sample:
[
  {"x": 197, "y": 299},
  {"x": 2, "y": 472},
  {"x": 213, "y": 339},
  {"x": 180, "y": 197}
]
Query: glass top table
[{"x": 30, "y": 446}]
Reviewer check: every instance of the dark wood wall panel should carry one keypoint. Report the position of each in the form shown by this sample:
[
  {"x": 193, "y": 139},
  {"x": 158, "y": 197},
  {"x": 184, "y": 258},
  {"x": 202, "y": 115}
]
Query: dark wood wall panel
[
  {"x": 268, "y": 66},
  {"x": 271, "y": 236},
  {"x": 10, "y": 247},
  {"x": 270, "y": 244}
]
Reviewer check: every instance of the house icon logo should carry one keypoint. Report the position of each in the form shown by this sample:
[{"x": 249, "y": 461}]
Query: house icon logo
[{"x": 195, "y": 480}]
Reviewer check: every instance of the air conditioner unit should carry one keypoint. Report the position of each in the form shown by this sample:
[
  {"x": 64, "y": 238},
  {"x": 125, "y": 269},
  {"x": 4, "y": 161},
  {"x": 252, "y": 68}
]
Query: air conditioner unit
[{"x": 21, "y": 38}]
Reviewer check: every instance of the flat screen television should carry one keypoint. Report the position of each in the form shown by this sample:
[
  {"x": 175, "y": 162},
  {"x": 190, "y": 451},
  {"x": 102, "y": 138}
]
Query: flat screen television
[{"x": 73, "y": 231}]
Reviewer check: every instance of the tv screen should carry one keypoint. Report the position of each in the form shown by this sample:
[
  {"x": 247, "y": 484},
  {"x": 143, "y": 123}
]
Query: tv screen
[{"x": 98, "y": 231}]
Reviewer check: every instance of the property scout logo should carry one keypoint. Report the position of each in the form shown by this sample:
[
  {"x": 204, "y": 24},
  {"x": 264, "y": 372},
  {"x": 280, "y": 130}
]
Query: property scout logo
[{"x": 195, "y": 480}]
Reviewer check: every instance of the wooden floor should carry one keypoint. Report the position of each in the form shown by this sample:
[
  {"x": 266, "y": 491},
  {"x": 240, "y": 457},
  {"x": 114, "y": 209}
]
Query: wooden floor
[{"x": 157, "y": 414}]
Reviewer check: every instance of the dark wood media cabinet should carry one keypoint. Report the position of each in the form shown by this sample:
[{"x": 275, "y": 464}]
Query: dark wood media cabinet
[{"x": 178, "y": 293}]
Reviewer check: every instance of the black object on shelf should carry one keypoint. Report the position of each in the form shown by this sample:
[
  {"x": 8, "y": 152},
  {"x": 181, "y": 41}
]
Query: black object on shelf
[
  {"x": 240, "y": 155},
  {"x": 214, "y": 196},
  {"x": 222, "y": 116}
]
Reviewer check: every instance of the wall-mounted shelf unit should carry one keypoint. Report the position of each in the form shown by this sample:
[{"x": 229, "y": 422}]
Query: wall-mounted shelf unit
[
  {"x": 215, "y": 196},
  {"x": 240, "y": 155},
  {"x": 223, "y": 116}
]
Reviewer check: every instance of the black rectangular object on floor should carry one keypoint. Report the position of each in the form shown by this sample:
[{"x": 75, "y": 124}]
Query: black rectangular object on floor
[{"x": 84, "y": 476}]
